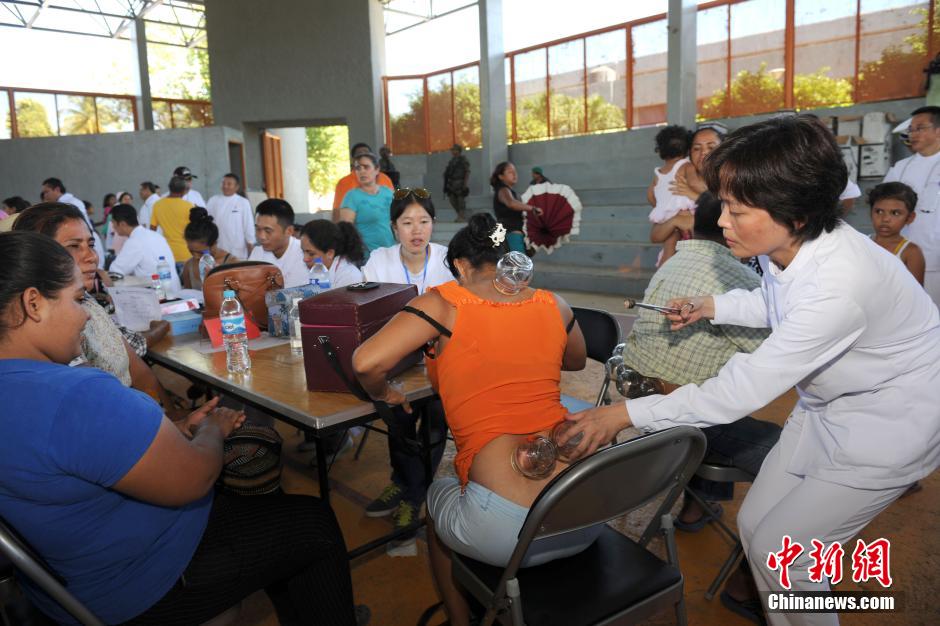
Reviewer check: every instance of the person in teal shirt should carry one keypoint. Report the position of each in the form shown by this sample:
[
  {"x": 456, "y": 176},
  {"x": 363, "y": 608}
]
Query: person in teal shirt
[{"x": 368, "y": 205}]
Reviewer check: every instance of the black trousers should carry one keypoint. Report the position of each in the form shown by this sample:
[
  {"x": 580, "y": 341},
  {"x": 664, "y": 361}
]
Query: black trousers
[
  {"x": 290, "y": 546},
  {"x": 744, "y": 444}
]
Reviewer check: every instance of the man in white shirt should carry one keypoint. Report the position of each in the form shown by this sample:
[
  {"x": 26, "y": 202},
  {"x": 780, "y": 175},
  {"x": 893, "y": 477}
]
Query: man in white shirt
[
  {"x": 232, "y": 214},
  {"x": 53, "y": 190},
  {"x": 921, "y": 172},
  {"x": 191, "y": 194},
  {"x": 274, "y": 230},
  {"x": 143, "y": 247},
  {"x": 148, "y": 197}
]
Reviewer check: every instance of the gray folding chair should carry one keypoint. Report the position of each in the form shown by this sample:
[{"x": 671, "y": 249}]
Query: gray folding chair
[
  {"x": 721, "y": 474},
  {"x": 614, "y": 581},
  {"x": 601, "y": 335},
  {"x": 33, "y": 567}
]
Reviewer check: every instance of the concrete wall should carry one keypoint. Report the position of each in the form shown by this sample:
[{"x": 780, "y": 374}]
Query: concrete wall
[
  {"x": 93, "y": 165},
  {"x": 296, "y": 63}
]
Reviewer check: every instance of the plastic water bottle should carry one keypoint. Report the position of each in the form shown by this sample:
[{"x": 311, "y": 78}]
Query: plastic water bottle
[
  {"x": 206, "y": 264},
  {"x": 166, "y": 278},
  {"x": 296, "y": 345},
  {"x": 319, "y": 275},
  {"x": 234, "y": 335},
  {"x": 157, "y": 285}
]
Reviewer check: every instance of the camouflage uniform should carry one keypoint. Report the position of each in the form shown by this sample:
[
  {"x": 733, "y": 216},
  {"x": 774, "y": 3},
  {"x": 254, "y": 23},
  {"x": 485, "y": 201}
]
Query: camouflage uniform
[{"x": 455, "y": 185}]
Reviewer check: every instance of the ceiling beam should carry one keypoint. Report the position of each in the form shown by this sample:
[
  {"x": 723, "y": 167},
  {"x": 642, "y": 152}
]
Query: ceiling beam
[{"x": 32, "y": 20}]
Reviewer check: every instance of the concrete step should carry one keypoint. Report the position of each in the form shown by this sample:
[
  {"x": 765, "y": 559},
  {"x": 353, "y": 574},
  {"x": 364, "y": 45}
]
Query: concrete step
[
  {"x": 604, "y": 254},
  {"x": 626, "y": 282}
]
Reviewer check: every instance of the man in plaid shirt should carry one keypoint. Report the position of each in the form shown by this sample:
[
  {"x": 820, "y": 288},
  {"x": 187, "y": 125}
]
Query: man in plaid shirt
[{"x": 692, "y": 355}]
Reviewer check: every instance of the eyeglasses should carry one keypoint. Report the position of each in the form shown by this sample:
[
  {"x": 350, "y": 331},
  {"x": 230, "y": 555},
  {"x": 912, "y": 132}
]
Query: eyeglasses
[
  {"x": 921, "y": 129},
  {"x": 417, "y": 192}
]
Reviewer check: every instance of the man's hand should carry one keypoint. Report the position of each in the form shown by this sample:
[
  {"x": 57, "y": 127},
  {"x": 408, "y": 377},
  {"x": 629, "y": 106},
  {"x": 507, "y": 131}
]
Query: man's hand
[
  {"x": 227, "y": 419},
  {"x": 600, "y": 425}
]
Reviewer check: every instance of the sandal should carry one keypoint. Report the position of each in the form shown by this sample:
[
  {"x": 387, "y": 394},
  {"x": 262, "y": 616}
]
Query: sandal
[
  {"x": 699, "y": 524},
  {"x": 750, "y": 610}
]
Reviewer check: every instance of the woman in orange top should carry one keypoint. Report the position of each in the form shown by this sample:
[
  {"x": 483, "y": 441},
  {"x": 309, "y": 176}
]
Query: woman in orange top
[{"x": 497, "y": 361}]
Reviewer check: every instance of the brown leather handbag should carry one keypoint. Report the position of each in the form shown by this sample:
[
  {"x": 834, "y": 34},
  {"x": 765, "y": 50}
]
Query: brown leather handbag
[{"x": 250, "y": 280}]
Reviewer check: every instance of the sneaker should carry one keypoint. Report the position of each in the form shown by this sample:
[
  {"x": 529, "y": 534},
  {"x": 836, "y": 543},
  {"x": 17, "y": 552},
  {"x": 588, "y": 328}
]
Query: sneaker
[
  {"x": 387, "y": 502},
  {"x": 405, "y": 515}
]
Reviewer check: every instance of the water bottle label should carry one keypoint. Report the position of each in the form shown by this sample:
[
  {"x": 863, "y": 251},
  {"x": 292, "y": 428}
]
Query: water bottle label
[
  {"x": 233, "y": 325},
  {"x": 324, "y": 285},
  {"x": 166, "y": 276}
]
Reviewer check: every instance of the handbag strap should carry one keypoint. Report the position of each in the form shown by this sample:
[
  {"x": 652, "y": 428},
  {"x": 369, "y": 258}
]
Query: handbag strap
[{"x": 383, "y": 409}]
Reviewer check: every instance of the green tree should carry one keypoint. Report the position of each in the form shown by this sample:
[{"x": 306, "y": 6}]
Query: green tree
[
  {"x": 80, "y": 117},
  {"x": 32, "y": 120},
  {"x": 816, "y": 90},
  {"x": 327, "y": 157},
  {"x": 408, "y": 131},
  {"x": 567, "y": 115}
]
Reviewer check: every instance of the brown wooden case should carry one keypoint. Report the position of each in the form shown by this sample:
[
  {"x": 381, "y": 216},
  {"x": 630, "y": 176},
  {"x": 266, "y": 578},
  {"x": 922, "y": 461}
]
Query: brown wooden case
[{"x": 346, "y": 318}]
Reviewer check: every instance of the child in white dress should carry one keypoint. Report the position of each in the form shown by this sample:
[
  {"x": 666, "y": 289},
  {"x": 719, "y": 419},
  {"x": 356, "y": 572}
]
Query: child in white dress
[{"x": 672, "y": 145}]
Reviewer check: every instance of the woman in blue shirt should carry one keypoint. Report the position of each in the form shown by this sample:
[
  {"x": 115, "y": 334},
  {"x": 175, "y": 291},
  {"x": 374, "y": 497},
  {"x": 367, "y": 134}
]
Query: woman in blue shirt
[
  {"x": 118, "y": 499},
  {"x": 367, "y": 206}
]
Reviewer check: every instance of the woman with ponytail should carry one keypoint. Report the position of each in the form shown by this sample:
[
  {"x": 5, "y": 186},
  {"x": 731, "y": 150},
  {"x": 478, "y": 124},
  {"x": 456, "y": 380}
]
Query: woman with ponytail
[
  {"x": 201, "y": 236},
  {"x": 338, "y": 246}
]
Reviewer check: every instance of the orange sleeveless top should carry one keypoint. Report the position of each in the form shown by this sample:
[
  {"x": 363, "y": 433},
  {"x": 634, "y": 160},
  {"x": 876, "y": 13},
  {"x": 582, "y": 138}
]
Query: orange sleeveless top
[{"x": 501, "y": 370}]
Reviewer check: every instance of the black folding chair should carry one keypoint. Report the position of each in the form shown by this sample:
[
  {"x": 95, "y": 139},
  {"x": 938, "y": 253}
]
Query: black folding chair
[
  {"x": 33, "y": 567},
  {"x": 614, "y": 581},
  {"x": 601, "y": 335}
]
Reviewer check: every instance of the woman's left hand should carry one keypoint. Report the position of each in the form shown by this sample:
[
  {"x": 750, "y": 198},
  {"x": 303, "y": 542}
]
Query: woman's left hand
[{"x": 600, "y": 426}]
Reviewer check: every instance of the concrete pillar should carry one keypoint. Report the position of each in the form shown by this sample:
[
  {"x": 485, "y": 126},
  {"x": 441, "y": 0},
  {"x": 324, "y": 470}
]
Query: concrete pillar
[
  {"x": 682, "y": 58},
  {"x": 492, "y": 89},
  {"x": 294, "y": 167},
  {"x": 377, "y": 57},
  {"x": 144, "y": 103}
]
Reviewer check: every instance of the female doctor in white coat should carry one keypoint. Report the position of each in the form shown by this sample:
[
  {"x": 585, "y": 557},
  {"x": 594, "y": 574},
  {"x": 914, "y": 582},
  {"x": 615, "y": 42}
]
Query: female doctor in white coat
[{"x": 852, "y": 330}]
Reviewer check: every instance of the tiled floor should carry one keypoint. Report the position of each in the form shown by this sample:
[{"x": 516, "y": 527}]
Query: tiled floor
[{"x": 398, "y": 589}]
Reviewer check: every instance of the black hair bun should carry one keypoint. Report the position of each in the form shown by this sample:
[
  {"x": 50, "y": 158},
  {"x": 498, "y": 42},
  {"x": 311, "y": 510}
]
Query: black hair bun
[
  {"x": 199, "y": 214},
  {"x": 481, "y": 226}
]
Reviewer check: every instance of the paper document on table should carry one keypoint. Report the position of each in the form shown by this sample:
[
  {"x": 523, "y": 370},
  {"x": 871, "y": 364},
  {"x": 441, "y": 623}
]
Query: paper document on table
[
  {"x": 192, "y": 294},
  {"x": 261, "y": 343},
  {"x": 135, "y": 307}
]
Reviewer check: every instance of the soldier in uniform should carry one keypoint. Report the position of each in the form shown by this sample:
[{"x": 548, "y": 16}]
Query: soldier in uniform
[{"x": 456, "y": 177}]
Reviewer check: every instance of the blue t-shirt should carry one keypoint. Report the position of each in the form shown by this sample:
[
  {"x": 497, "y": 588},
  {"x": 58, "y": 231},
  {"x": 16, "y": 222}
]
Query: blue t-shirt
[
  {"x": 69, "y": 434},
  {"x": 372, "y": 217}
]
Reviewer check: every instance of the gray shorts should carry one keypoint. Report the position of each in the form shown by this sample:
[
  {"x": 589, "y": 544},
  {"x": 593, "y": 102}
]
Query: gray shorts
[{"x": 484, "y": 526}]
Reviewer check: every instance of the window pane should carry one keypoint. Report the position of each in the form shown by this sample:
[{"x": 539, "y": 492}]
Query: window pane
[
  {"x": 35, "y": 114},
  {"x": 440, "y": 116},
  {"x": 467, "y": 107},
  {"x": 531, "y": 109},
  {"x": 757, "y": 64},
  {"x": 115, "y": 115},
  {"x": 5, "y": 132},
  {"x": 76, "y": 115},
  {"x": 406, "y": 116},
  {"x": 566, "y": 67},
  {"x": 161, "y": 115},
  {"x": 607, "y": 80},
  {"x": 187, "y": 115},
  {"x": 892, "y": 50},
  {"x": 711, "y": 87},
  {"x": 649, "y": 73},
  {"x": 178, "y": 72},
  {"x": 824, "y": 53}
]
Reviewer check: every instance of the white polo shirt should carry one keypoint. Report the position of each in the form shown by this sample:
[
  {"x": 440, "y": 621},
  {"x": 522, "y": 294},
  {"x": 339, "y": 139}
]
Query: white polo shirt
[
  {"x": 291, "y": 264},
  {"x": 146, "y": 210},
  {"x": 236, "y": 222},
  {"x": 140, "y": 254}
]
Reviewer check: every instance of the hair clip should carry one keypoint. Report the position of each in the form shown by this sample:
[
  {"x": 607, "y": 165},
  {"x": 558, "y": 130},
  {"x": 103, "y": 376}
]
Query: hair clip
[{"x": 498, "y": 235}]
